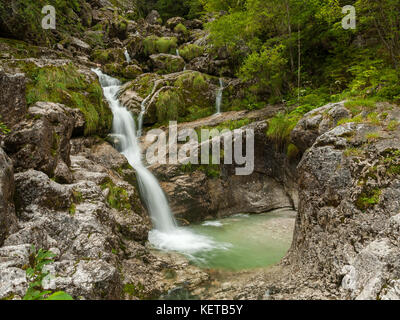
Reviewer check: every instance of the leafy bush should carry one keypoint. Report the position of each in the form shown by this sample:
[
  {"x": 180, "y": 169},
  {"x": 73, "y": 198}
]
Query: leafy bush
[
  {"x": 267, "y": 68},
  {"x": 36, "y": 275}
]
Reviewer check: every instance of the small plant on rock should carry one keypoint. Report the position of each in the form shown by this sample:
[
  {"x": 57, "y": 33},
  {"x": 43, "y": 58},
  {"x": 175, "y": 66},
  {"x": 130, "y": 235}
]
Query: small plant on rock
[{"x": 36, "y": 275}]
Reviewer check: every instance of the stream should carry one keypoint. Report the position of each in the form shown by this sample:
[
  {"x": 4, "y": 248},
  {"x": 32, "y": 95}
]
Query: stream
[{"x": 235, "y": 243}]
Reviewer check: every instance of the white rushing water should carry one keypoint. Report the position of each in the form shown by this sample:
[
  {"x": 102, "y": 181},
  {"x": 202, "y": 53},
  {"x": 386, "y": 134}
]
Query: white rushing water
[
  {"x": 166, "y": 234},
  {"x": 127, "y": 57},
  {"x": 218, "y": 101}
]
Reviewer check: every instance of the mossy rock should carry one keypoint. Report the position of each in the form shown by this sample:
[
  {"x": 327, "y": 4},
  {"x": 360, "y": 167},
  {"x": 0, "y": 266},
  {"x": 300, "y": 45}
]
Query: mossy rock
[
  {"x": 114, "y": 55},
  {"x": 166, "y": 63},
  {"x": 154, "y": 45},
  {"x": 22, "y": 19},
  {"x": 191, "y": 51},
  {"x": 65, "y": 84}
]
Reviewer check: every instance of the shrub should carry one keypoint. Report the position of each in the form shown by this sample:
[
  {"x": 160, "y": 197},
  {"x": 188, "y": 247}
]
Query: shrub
[
  {"x": 36, "y": 275},
  {"x": 281, "y": 126}
]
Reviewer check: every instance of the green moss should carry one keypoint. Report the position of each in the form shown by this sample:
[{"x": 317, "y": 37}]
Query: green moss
[
  {"x": 356, "y": 106},
  {"x": 108, "y": 56},
  {"x": 118, "y": 197},
  {"x": 135, "y": 290},
  {"x": 66, "y": 85},
  {"x": 180, "y": 28},
  {"x": 191, "y": 51},
  {"x": 292, "y": 151},
  {"x": 154, "y": 44},
  {"x": 368, "y": 199},
  {"x": 169, "y": 105},
  {"x": 372, "y": 136}
]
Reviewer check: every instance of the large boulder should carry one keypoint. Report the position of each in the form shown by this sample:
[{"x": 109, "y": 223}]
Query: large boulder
[
  {"x": 178, "y": 96},
  {"x": 166, "y": 63},
  {"x": 12, "y": 98},
  {"x": 153, "y": 17},
  {"x": 8, "y": 220},
  {"x": 347, "y": 229},
  {"x": 198, "y": 192},
  {"x": 173, "y": 22},
  {"x": 317, "y": 122},
  {"x": 42, "y": 141}
]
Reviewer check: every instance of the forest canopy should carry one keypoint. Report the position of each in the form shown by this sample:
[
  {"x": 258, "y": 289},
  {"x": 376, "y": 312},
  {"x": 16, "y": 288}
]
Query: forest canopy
[{"x": 292, "y": 48}]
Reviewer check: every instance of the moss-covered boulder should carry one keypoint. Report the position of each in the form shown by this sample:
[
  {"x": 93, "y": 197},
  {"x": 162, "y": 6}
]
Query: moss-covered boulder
[
  {"x": 191, "y": 51},
  {"x": 166, "y": 63},
  {"x": 125, "y": 71},
  {"x": 182, "y": 96},
  {"x": 154, "y": 45},
  {"x": 104, "y": 56},
  {"x": 62, "y": 81},
  {"x": 22, "y": 19}
]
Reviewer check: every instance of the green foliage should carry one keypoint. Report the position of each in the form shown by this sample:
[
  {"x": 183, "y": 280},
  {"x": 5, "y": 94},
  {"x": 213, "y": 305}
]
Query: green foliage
[
  {"x": 267, "y": 68},
  {"x": 264, "y": 40},
  {"x": 357, "y": 105},
  {"x": 3, "y": 128},
  {"x": 21, "y": 19},
  {"x": 179, "y": 8},
  {"x": 393, "y": 125},
  {"x": 281, "y": 126},
  {"x": 372, "y": 136},
  {"x": 36, "y": 275}
]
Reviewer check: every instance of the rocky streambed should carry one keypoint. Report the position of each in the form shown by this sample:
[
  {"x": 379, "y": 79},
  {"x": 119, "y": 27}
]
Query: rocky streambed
[{"x": 65, "y": 188}]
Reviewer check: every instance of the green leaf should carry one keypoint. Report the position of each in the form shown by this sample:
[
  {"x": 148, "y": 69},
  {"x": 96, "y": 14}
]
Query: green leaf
[{"x": 60, "y": 295}]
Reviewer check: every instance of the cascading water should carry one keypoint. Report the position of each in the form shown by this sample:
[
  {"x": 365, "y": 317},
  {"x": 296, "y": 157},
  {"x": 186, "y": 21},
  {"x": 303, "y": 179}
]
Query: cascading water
[
  {"x": 218, "y": 101},
  {"x": 127, "y": 57},
  {"x": 165, "y": 235}
]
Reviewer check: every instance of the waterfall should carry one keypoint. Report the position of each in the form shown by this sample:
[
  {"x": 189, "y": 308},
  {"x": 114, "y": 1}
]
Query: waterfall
[
  {"x": 166, "y": 235},
  {"x": 127, "y": 57},
  {"x": 219, "y": 96}
]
